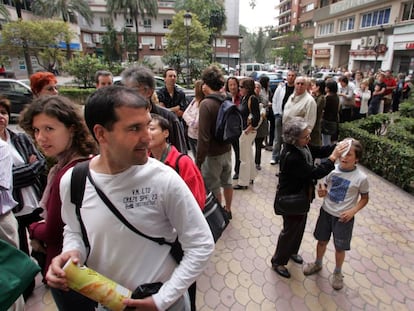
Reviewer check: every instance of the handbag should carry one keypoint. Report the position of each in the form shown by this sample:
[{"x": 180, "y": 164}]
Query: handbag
[
  {"x": 17, "y": 271},
  {"x": 215, "y": 215},
  {"x": 291, "y": 204},
  {"x": 213, "y": 211}
]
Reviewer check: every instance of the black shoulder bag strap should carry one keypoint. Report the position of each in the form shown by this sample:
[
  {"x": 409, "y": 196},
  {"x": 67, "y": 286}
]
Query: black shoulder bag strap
[
  {"x": 177, "y": 166},
  {"x": 77, "y": 190},
  {"x": 115, "y": 211}
]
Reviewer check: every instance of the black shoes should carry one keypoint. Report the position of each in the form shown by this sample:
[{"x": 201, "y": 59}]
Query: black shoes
[
  {"x": 228, "y": 214},
  {"x": 297, "y": 258},
  {"x": 282, "y": 271},
  {"x": 236, "y": 176},
  {"x": 238, "y": 187}
]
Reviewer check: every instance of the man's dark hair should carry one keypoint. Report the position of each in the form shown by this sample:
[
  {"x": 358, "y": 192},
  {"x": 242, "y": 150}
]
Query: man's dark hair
[
  {"x": 138, "y": 75},
  {"x": 162, "y": 122},
  {"x": 331, "y": 85},
  {"x": 168, "y": 69},
  {"x": 104, "y": 73},
  {"x": 100, "y": 106},
  {"x": 213, "y": 77}
]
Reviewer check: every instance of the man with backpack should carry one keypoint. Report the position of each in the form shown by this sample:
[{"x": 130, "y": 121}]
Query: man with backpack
[
  {"x": 213, "y": 155},
  {"x": 130, "y": 201}
]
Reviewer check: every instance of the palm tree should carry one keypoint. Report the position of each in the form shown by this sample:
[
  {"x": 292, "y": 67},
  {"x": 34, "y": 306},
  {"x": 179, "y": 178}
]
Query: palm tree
[
  {"x": 133, "y": 9},
  {"x": 4, "y": 12},
  {"x": 64, "y": 9}
]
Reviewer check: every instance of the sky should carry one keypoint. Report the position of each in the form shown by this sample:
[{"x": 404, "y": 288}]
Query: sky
[{"x": 262, "y": 15}]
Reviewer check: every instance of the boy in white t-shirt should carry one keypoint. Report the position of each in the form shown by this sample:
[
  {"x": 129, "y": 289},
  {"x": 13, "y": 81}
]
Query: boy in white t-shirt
[{"x": 345, "y": 193}]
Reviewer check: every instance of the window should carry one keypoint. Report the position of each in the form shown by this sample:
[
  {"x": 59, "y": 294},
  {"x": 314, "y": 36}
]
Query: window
[
  {"x": 375, "y": 18},
  {"x": 87, "y": 38},
  {"x": 167, "y": 23},
  {"x": 147, "y": 23},
  {"x": 408, "y": 11},
  {"x": 104, "y": 21},
  {"x": 129, "y": 22},
  {"x": 148, "y": 40},
  {"x": 220, "y": 42},
  {"x": 325, "y": 29},
  {"x": 347, "y": 24}
]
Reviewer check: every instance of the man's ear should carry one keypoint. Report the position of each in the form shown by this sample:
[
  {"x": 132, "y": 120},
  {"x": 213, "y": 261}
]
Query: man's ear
[{"x": 99, "y": 132}]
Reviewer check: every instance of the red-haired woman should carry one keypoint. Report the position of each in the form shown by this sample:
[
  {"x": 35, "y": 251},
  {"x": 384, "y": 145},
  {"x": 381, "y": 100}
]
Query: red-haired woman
[{"x": 43, "y": 83}]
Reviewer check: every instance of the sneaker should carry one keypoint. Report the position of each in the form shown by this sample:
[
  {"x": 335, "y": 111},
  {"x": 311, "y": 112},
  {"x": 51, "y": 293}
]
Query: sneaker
[
  {"x": 273, "y": 162},
  {"x": 337, "y": 281},
  {"x": 312, "y": 268}
]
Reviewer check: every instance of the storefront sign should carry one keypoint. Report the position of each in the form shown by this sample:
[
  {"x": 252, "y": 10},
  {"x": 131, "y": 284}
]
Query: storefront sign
[{"x": 322, "y": 53}]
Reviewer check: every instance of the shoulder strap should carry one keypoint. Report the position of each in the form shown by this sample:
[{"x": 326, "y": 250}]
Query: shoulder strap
[
  {"x": 77, "y": 190},
  {"x": 177, "y": 167},
  {"x": 115, "y": 211}
]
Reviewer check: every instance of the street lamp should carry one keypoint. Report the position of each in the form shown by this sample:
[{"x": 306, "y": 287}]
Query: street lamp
[
  {"x": 228, "y": 59},
  {"x": 187, "y": 24},
  {"x": 240, "y": 53},
  {"x": 292, "y": 47},
  {"x": 378, "y": 43}
]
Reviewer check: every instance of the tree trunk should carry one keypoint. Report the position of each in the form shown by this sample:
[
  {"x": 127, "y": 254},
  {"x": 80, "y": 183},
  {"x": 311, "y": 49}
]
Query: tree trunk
[{"x": 137, "y": 37}]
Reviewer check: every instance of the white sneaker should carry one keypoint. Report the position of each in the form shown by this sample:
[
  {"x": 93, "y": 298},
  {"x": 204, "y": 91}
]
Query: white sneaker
[
  {"x": 272, "y": 162},
  {"x": 337, "y": 281}
]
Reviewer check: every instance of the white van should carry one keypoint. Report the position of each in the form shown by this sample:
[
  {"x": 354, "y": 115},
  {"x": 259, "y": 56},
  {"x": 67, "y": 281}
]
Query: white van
[{"x": 248, "y": 68}]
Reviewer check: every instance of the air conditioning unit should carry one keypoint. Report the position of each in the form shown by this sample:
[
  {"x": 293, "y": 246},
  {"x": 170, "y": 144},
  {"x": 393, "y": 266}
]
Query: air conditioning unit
[
  {"x": 96, "y": 38},
  {"x": 371, "y": 41},
  {"x": 140, "y": 46},
  {"x": 160, "y": 47},
  {"x": 364, "y": 42},
  {"x": 151, "y": 46}
]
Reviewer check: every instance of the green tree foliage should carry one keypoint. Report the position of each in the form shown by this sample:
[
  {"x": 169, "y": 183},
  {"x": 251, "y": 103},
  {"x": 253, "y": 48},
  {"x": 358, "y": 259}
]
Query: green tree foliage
[
  {"x": 176, "y": 49},
  {"x": 290, "y": 48},
  {"x": 65, "y": 9},
  {"x": 211, "y": 14},
  {"x": 40, "y": 38},
  {"x": 112, "y": 49},
  {"x": 133, "y": 9},
  {"x": 83, "y": 68}
]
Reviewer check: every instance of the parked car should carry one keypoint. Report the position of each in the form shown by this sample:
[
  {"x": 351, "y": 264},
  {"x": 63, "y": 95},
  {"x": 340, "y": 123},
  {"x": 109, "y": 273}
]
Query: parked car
[
  {"x": 326, "y": 74},
  {"x": 18, "y": 93},
  {"x": 159, "y": 83},
  {"x": 274, "y": 78}
]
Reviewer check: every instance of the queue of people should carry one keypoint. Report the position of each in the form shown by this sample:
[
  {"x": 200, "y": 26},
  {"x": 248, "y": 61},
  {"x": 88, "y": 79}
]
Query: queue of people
[{"x": 127, "y": 134}]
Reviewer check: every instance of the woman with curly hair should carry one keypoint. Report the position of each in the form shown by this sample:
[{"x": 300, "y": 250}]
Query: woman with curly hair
[
  {"x": 43, "y": 83},
  {"x": 59, "y": 130}
]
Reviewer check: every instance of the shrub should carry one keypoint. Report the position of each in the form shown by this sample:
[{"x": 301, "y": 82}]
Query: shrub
[{"x": 388, "y": 146}]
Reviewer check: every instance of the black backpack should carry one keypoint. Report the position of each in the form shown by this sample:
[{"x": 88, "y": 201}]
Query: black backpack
[{"x": 229, "y": 123}]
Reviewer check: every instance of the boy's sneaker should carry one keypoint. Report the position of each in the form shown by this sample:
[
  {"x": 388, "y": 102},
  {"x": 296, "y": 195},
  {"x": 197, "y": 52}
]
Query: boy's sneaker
[
  {"x": 312, "y": 268},
  {"x": 337, "y": 281}
]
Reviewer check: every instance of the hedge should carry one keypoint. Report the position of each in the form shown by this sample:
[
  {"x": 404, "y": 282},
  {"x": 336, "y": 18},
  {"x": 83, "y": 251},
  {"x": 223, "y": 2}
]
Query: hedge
[{"x": 390, "y": 154}]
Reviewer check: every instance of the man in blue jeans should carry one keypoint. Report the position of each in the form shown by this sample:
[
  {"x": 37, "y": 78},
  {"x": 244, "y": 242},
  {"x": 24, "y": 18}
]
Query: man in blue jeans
[{"x": 282, "y": 93}]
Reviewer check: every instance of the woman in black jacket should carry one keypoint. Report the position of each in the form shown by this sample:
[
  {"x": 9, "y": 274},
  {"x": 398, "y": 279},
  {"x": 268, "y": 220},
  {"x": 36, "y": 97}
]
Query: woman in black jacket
[{"x": 298, "y": 173}]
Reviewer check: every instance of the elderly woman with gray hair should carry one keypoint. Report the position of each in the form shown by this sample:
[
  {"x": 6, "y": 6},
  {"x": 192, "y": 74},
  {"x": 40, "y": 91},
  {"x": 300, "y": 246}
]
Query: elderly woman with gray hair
[{"x": 298, "y": 174}]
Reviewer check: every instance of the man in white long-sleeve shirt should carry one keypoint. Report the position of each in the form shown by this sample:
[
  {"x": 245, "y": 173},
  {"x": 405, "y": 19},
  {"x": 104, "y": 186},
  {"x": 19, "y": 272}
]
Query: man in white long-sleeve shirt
[
  {"x": 149, "y": 194},
  {"x": 301, "y": 103}
]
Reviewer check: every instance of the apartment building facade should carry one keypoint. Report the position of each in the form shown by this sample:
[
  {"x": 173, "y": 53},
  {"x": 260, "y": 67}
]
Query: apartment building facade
[
  {"x": 152, "y": 32},
  {"x": 365, "y": 35}
]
